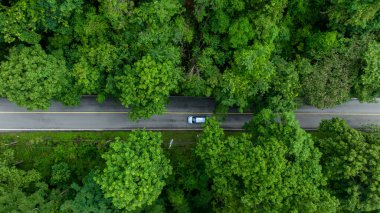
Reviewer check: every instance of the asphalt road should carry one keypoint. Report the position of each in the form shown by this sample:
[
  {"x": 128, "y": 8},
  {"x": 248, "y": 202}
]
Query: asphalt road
[{"x": 110, "y": 115}]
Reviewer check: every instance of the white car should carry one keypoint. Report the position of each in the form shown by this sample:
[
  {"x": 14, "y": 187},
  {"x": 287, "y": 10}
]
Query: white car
[{"x": 196, "y": 119}]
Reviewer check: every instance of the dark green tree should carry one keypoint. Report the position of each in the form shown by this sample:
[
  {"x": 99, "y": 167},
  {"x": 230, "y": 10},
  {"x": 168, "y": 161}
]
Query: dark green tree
[
  {"x": 354, "y": 16},
  {"x": 88, "y": 198},
  {"x": 22, "y": 191},
  {"x": 187, "y": 189},
  {"x": 284, "y": 88},
  {"x": 351, "y": 163},
  {"x": 235, "y": 45},
  {"x": 252, "y": 67},
  {"x": 60, "y": 173},
  {"x": 274, "y": 167},
  {"x": 329, "y": 82}
]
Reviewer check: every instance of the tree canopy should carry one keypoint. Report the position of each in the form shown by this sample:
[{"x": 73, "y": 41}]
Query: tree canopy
[
  {"x": 31, "y": 78},
  {"x": 138, "y": 86},
  {"x": 20, "y": 190},
  {"x": 89, "y": 198},
  {"x": 351, "y": 162},
  {"x": 273, "y": 167},
  {"x": 135, "y": 170},
  {"x": 244, "y": 54},
  {"x": 266, "y": 57}
]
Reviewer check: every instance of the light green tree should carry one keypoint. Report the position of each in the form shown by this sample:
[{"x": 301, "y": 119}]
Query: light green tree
[
  {"x": 369, "y": 79},
  {"x": 285, "y": 87},
  {"x": 252, "y": 66},
  {"x": 151, "y": 43},
  {"x": 20, "y": 21},
  {"x": 116, "y": 11},
  {"x": 136, "y": 170},
  {"x": 31, "y": 78},
  {"x": 145, "y": 86}
]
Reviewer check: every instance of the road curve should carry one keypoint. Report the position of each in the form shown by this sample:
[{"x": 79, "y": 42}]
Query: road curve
[{"x": 110, "y": 115}]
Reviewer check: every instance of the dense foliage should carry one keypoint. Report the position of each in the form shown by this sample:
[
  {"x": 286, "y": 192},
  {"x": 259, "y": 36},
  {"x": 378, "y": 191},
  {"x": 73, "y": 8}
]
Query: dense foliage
[
  {"x": 88, "y": 198},
  {"x": 261, "y": 54},
  {"x": 21, "y": 191},
  {"x": 135, "y": 170},
  {"x": 273, "y": 166},
  {"x": 351, "y": 162},
  {"x": 267, "y": 56},
  {"x": 31, "y": 78}
]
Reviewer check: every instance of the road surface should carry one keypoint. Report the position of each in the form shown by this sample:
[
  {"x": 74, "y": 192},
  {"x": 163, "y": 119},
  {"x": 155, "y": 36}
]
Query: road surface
[{"x": 110, "y": 115}]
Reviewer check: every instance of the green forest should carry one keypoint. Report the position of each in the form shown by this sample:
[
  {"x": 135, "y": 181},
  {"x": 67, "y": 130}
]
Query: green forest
[
  {"x": 249, "y": 54},
  {"x": 271, "y": 167},
  {"x": 263, "y": 56}
]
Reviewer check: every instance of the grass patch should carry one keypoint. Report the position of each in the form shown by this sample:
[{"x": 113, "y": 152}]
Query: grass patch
[
  {"x": 181, "y": 138},
  {"x": 32, "y": 147}
]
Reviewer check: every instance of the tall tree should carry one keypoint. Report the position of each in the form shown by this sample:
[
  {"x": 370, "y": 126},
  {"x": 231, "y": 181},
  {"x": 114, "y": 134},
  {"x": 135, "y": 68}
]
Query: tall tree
[
  {"x": 135, "y": 170},
  {"x": 351, "y": 162},
  {"x": 31, "y": 78},
  {"x": 93, "y": 55},
  {"x": 235, "y": 47},
  {"x": 274, "y": 167},
  {"x": 116, "y": 11},
  {"x": 368, "y": 83},
  {"x": 146, "y": 85},
  {"x": 22, "y": 191},
  {"x": 19, "y": 21},
  {"x": 329, "y": 82},
  {"x": 28, "y": 20},
  {"x": 153, "y": 37},
  {"x": 187, "y": 189},
  {"x": 285, "y": 87},
  {"x": 355, "y": 16},
  {"x": 88, "y": 198}
]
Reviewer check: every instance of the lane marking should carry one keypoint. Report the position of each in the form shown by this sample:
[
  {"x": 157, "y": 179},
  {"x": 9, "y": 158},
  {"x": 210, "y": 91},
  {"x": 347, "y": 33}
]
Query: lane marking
[
  {"x": 64, "y": 112},
  {"x": 102, "y": 130},
  {"x": 198, "y": 113},
  {"x": 167, "y": 113},
  {"x": 337, "y": 113}
]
